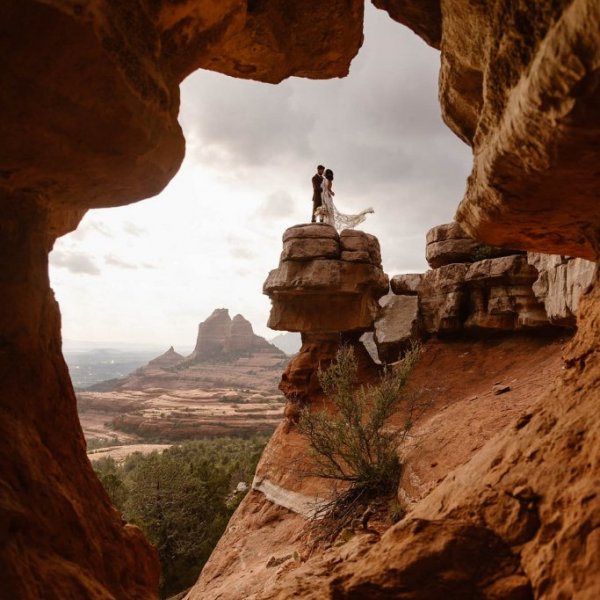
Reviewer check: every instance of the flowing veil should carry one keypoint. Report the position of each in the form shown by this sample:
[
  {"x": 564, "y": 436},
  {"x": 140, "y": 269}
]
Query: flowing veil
[{"x": 338, "y": 219}]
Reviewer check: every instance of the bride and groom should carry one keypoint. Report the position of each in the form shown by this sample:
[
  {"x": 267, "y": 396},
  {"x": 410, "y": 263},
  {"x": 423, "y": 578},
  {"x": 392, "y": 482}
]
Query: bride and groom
[{"x": 323, "y": 207}]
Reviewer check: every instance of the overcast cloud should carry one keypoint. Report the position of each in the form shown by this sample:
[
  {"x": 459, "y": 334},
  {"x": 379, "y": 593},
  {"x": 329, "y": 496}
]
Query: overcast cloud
[{"x": 252, "y": 148}]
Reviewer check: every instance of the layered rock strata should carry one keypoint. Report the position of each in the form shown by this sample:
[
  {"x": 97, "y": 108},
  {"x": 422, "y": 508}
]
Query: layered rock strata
[
  {"x": 326, "y": 282},
  {"x": 511, "y": 292},
  {"x": 326, "y": 286},
  {"x": 448, "y": 243},
  {"x": 89, "y": 104},
  {"x": 524, "y": 509},
  {"x": 560, "y": 284},
  {"x": 220, "y": 338},
  {"x": 396, "y": 327}
]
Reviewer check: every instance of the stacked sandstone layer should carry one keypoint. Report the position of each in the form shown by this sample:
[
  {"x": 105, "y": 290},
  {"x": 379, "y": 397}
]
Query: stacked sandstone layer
[
  {"x": 475, "y": 288},
  {"x": 220, "y": 337},
  {"x": 326, "y": 286}
]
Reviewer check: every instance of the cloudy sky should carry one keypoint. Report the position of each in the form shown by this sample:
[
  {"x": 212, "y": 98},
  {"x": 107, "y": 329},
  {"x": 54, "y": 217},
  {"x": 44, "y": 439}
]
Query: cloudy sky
[{"x": 150, "y": 272}]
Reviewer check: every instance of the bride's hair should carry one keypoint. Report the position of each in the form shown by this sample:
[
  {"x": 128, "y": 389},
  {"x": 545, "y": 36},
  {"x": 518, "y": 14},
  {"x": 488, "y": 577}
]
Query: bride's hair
[{"x": 329, "y": 174}]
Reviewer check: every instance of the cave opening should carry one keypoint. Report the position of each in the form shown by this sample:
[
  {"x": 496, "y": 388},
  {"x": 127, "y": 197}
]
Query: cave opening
[{"x": 146, "y": 273}]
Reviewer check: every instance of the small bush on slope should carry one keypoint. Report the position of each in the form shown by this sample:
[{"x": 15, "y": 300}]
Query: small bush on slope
[{"x": 353, "y": 446}]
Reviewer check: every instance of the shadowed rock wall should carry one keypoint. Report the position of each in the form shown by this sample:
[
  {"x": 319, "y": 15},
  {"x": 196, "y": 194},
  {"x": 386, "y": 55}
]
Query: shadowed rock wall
[
  {"x": 89, "y": 99},
  {"x": 88, "y": 102}
]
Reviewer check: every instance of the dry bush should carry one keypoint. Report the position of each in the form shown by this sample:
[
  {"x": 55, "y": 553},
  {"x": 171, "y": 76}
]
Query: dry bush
[{"x": 352, "y": 446}]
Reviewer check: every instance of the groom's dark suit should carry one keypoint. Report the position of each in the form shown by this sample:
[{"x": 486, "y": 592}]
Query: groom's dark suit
[{"x": 317, "y": 181}]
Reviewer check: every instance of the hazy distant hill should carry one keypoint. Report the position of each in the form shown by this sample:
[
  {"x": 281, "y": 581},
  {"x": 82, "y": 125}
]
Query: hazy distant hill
[{"x": 289, "y": 342}]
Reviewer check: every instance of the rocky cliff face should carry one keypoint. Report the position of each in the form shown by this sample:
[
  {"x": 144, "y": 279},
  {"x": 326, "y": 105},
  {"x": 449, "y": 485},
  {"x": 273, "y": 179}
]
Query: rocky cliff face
[
  {"x": 326, "y": 286},
  {"x": 89, "y": 105},
  {"x": 89, "y": 119},
  {"x": 477, "y": 288},
  {"x": 517, "y": 83},
  {"x": 423, "y": 556}
]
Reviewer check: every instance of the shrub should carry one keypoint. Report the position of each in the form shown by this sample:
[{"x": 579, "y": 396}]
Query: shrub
[{"x": 353, "y": 446}]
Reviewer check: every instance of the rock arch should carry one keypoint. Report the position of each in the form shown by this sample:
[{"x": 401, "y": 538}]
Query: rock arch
[{"x": 89, "y": 101}]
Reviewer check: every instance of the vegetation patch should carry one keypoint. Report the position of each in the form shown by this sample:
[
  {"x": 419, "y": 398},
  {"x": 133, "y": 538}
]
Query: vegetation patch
[
  {"x": 353, "y": 445},
  {"x": 182, "y": 499}
]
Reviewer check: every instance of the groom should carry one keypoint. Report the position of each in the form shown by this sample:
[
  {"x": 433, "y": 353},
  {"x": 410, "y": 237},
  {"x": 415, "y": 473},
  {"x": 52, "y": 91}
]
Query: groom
[{"x": 317, "y": 183}]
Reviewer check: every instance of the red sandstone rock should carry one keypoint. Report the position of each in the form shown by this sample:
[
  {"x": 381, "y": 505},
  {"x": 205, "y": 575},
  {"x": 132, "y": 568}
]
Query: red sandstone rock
[
  {"x": 447, "y": 244},
  {"x": 530, "y": 495},
  {"x": 89, "y": 119},
  {"x": 310, "y": 249},
  {"x": 442, "y": 297},
  {"x": 168, "y": 359},
  {"x": 319, "y": 294},
  {"x": 312, "y": 230},
  {"x": 449, "y": 375},
  {"x": 561, "y": 282},
  {"x": 397, "y": 326},
  {"x": 501, "y": 295},
  {"x": 514, "y": 84},
  {"x": 352, "y": 240},
  {"x": 517, "y": 82},
  {"x": 491, "y": 294},
  {"x": 406, "y": 285},
  {"x": 219, "y": 336}
]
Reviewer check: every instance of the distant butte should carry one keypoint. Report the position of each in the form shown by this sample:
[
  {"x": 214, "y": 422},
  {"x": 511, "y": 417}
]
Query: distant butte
[{"x": 222, "y": 338}]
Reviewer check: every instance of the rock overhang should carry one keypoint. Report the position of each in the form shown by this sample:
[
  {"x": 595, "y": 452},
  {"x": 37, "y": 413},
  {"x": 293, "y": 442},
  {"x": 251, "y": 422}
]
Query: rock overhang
[{"x": 326, "y": 282}]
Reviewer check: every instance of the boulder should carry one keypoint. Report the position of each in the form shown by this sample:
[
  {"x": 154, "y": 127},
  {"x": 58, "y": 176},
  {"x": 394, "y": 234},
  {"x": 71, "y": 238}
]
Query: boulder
[
  {"x": 321, "y": 294},
  {"x": 501, "y": 295},
  {"x": 406, "y": 285},
  {"x": 448, "y": 243},
  {"x": 397, "y": 326},
  {"x": 310, "y": 248},
  {"x": 443, "y": 298},
  {"x": 560, "y": 283},
  {"x": 352, "y": 240}
]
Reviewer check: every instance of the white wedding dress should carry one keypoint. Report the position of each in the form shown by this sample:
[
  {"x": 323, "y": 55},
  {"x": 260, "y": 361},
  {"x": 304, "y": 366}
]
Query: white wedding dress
[{"x": 332, "y": 216}]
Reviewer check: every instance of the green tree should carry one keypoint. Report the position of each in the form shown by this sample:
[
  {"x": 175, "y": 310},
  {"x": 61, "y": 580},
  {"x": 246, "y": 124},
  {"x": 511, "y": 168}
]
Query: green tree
[{"x": 182, "y": 499}]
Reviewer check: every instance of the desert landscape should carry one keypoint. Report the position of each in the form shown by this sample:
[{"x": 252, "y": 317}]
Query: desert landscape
[{"x": 226, "y": 387}]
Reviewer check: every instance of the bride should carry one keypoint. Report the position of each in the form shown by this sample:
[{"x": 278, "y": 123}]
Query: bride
[{"x": 330, "y": 213}]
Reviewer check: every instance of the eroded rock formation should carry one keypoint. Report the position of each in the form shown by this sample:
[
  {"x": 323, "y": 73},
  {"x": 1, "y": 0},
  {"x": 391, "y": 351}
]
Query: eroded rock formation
[
  {"x": 326, "y": 286},
  {"x": 518, "y": 83},
  {"x": 222, "y": 338},
  {"x": 89, "y": 104},
  {"x": 560, "y": 284},
  {"x": 89, "y": 119},
  {"x": 465, "y": 292},
  {"x": 529, "y": 495}
]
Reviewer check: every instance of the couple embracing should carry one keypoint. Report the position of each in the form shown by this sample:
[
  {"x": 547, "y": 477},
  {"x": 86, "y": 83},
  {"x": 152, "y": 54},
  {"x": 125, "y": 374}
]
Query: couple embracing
[{"x": 323, "y": 207}]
